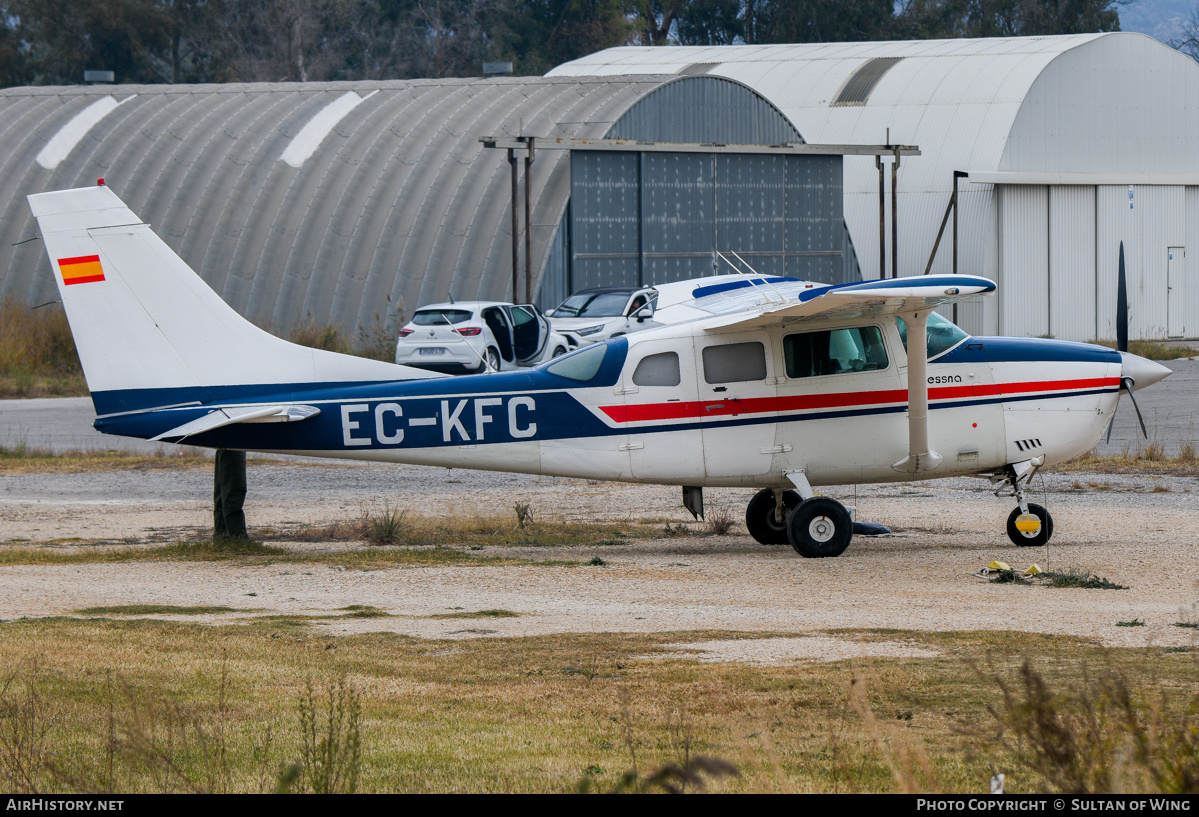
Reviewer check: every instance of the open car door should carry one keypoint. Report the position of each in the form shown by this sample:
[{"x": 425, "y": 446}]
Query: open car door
[{"x": 530, "y": 332}]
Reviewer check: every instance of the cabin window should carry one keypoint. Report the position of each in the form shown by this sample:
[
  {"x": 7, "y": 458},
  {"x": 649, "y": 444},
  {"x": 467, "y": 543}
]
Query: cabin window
[
  {"x": 658, "y": 370},
  {"x": 735, "y": 363},
  {"x": 812, "y": 354}
]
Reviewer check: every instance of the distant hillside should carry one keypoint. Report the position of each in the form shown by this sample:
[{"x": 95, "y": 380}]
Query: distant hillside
[{"x": 1161, "y": 19}]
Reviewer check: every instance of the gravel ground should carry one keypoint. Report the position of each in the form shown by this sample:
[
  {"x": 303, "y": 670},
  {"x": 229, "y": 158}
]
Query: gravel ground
[{"x": 920, "y": 578}]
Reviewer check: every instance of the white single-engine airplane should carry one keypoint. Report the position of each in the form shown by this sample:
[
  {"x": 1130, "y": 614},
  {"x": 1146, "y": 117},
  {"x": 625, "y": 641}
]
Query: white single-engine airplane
[{"x": 768, "y": 383}]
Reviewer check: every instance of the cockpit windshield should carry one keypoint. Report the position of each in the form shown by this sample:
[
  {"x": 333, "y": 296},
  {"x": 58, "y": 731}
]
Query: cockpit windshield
[{"x": 943, "y": 335}]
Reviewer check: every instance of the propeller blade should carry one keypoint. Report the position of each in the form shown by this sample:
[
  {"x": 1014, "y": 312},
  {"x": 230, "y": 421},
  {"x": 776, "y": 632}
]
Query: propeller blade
[
  {"x": 1111, "y": 423},
  {"x": 1133, "y": 398},
  {"x": 1121, "y": 306}
]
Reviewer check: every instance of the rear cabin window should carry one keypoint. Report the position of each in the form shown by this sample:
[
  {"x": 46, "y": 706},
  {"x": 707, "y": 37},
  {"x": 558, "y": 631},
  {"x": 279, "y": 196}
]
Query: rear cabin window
[
  {"x": 735, "y": 363},
  {"x": 813, "y": 354},
  {"x": 658, "y": 370}
]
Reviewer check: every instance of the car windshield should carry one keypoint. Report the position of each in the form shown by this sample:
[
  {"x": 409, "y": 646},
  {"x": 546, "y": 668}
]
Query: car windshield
[
  {"x": 943, "y": 334},
  {"x": 439, "y": 317},
  {"x": 593, "y": 305}
]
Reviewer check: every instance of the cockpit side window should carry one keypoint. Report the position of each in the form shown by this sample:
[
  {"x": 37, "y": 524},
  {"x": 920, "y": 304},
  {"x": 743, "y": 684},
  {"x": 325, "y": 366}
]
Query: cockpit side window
[{"x": 835, "y": 351}]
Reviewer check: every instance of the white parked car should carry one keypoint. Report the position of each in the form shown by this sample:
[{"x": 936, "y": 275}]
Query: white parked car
[
  {"x": 478, "y": 336},
  {"x": 594, "y": 315}
]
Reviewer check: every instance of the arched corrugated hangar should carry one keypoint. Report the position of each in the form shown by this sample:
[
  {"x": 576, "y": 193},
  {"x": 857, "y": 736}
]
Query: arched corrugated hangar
[
  {"x": 345, "y": 201},
  {"x": 1072, "y": 145}
]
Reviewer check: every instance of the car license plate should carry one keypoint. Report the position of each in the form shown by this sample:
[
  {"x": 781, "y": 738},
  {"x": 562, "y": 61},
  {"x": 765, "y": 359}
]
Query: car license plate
[{"x": 432, "y": 350}]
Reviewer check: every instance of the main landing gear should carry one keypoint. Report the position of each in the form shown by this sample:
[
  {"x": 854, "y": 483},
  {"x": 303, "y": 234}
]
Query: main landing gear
[
  {"x": 815, "y": 527},
  {"x": 1029, "y": 524}
]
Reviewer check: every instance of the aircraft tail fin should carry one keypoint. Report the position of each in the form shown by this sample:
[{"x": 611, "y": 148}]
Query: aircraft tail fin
[{"x": 150, "y": 332}]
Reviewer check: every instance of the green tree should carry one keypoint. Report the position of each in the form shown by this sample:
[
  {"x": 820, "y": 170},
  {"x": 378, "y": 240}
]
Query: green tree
[
  {"x": 1188, "y": 39},
  {"x": 919, "y": 19},
  {"x": 65, "y": 38},
  {"x": 712, "y": 22},
  {"x": 817, "y": 21},
  {"x": 13, "y": 68},
  {"x": 536, "y": 35}
]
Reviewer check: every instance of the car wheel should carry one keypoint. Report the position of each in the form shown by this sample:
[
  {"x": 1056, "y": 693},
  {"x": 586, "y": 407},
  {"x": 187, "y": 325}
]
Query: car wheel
[
  {"x": 559, "y": 351},
  {"x": 493, "y": 360}
]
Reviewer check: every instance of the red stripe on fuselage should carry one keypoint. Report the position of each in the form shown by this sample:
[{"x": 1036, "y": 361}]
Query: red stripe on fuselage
[{"x": 649, "y": 412}]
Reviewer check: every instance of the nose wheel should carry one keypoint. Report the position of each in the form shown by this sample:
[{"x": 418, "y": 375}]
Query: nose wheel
[
  {"x": 1030, "y": 528},
  {"x": 1029, "y": 524}
]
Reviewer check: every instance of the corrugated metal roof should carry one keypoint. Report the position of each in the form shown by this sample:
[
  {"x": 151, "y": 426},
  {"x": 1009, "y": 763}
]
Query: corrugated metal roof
[
  {"x": 1080, "y": 103},
  {"x": 392, "y": 197}
]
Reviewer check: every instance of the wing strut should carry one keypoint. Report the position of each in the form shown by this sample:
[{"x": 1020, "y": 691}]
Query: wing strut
[{"x": 919, "y": 457}]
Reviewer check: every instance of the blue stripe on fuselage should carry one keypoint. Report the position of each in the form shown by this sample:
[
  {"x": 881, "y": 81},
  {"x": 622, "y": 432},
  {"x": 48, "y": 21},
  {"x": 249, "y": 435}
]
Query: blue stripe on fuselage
[
  {"x": 426, "y": 397},
  {"x": 1028, "y": 350},
  {"x": 539, "y": 379}
]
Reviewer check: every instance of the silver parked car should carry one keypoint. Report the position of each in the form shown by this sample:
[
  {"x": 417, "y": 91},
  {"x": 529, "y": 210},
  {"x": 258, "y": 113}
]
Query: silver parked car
[{"x": 478, "y": 336}]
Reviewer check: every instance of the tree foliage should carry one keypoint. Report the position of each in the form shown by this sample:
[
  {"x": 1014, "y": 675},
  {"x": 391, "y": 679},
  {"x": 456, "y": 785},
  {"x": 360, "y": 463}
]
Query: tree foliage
[
  {"x": 55, "y": 41},
  {"x": 1188, "y": 39}
]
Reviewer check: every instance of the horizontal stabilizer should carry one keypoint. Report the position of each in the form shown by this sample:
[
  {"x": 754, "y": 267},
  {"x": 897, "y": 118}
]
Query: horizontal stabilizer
[{"x": 278, "y": 413}]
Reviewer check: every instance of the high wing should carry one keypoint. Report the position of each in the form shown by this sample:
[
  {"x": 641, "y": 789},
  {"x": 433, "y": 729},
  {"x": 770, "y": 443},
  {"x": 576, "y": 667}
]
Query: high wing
[{"x": 755, "y": 302}]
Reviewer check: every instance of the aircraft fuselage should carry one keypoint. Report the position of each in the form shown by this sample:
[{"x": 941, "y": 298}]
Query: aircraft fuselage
[{"x": 683, "y": 405}]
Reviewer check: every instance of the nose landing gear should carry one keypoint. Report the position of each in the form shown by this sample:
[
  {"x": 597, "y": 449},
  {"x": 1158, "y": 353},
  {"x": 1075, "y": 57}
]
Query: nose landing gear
[{"x": 1029, "y": 525}]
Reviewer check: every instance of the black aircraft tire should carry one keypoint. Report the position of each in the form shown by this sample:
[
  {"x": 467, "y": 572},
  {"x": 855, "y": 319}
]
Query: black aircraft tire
[
  {"x": 820, "y": 527},
  {"x": 759, "y": 517},
  {"x": 1026, "y": 540}
]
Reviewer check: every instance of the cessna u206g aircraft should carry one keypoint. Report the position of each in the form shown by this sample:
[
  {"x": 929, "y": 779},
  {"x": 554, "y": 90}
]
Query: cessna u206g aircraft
[{"x": 768, "y": 383}]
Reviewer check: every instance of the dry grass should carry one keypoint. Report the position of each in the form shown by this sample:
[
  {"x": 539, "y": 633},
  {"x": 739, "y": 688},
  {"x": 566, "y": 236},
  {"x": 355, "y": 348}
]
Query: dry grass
[
  {"x": 20, "y": 458},
  {"x": 159, "y": 610},
  {"x": 376, "y": 340},
  {"x": 719, "y": 521},
  {"x": 1100, "y": 732},
  {"x": 255, "y": 553},
  {"x": 38, "y": 357},
  {"x": 400, "y": 527},
  {"x": 1148, "y": 459},
  {"x": 1154, "y": 349},
  {"x": 537, "y": 714},
  {"x": 37, "y": 353}
]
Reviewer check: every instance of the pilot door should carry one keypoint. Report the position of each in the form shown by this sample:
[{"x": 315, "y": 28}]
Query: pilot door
[
  {"x": 737, "y": 403},
  {"x": 659, "y": 390},
  {"x": 842, "y": 402}
]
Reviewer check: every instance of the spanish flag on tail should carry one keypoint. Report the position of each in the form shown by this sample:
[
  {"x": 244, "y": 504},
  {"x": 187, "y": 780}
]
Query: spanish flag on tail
[{"x": 81, "y": 270}]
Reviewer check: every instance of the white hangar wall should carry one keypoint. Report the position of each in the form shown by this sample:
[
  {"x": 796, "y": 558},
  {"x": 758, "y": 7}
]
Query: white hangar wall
[
  {"x": 1059, "y": 246},
  {"x": 1052, "y": 131}
]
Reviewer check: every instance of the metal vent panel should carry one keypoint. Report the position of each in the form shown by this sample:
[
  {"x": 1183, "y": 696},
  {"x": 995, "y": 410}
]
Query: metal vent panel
[{"x": 861, "y": 82}]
